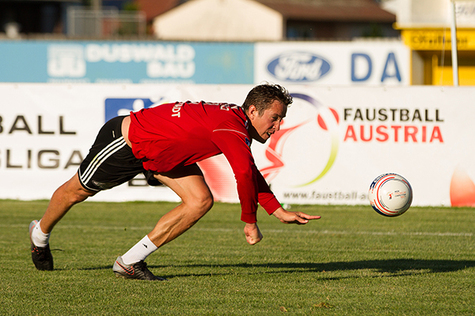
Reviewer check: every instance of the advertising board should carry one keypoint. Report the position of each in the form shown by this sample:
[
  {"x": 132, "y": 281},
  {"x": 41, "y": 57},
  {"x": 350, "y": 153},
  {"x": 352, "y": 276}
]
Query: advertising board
[
  {"x": 126, "y": 62},
  {"x": 332, "y": 144},
  {"x": 372, "y": 63}
]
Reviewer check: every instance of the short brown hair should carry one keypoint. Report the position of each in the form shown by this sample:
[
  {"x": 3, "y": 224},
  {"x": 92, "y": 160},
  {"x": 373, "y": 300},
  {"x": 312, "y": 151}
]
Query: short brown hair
[{"x": 262, "y": 96}]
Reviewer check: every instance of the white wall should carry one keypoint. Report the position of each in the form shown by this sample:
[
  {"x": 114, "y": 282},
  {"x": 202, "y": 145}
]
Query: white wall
[
  {"x": 220, "y": 20},
  {"x": 430, "y": 13}
]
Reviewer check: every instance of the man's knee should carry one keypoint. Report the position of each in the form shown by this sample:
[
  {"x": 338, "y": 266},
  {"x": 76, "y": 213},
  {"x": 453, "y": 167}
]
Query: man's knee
[
  {"x": 81, "y": 195},
  {"x": 74, "y": 192},
  {"x": 202, "y": 202},
  {"x": 208, "y": 202}
]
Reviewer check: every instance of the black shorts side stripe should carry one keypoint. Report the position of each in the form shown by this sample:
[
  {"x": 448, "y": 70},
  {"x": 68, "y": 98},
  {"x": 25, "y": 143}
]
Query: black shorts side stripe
[
  {"x": 105, "y": 153},
  {"x": 110, "y": 161}
]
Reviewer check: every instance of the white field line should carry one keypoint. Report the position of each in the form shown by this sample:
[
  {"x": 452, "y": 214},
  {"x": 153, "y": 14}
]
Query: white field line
[
  {"x": 329, "y": 232},
  {"x": 277, "y": 231}
]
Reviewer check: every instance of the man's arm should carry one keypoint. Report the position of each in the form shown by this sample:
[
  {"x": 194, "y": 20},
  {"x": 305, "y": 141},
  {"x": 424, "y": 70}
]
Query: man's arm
[
  {"x": 252, "y": 186},
  {"x": 233, "y": 145}
]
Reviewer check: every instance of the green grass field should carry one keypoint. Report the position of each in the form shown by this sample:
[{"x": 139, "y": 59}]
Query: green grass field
[{"x": 350, "y": 262}]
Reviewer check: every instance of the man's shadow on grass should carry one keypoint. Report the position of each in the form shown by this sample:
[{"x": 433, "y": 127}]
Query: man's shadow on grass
[{"x": 388, "y": 268}]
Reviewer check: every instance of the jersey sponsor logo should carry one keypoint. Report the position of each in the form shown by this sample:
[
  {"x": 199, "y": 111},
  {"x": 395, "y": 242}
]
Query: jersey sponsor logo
[
  {"x": 176, "y": 109},
  {"x": 299, "y": 67}
]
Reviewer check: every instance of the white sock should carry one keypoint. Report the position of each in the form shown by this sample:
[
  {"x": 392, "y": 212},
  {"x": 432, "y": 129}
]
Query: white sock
[
  {"x": 140, "y": 251},
  {"x": 39, "y": 238}
]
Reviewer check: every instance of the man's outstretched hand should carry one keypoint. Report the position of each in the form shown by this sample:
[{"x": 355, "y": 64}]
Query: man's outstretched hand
[{"x": 298, "y": 218}]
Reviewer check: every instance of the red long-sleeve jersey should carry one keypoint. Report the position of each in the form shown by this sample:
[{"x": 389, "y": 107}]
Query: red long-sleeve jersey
[{"x": 173, "y": 135}]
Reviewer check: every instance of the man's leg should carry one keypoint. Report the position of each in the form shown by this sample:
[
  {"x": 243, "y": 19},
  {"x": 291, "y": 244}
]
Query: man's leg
[
  {"x": 63, "y": 199},
  {"x": 70, "y": 193},
  {"x": 197, "y": 200},
  {"x": 109, "y": 163}
]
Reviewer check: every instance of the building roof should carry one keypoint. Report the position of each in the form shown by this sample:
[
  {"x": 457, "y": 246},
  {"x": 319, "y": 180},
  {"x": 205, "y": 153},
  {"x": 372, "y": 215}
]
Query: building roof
[
  {"x": 153, "y": 8},
  {"x": 331, "y": 10},
  {"x": 315, "y": 10}
]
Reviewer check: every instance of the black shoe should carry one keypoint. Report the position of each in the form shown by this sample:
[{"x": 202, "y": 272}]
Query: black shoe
[
  {"x": 41, "y": 256},
  {"x": 138, "y": 271}
]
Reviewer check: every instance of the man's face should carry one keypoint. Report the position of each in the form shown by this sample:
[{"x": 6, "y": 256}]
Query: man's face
[{"x": 263, "y": 126}]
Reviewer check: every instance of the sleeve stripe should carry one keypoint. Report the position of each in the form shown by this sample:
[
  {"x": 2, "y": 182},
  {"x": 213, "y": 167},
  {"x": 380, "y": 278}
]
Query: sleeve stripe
[{"x": 229, "y": 130}]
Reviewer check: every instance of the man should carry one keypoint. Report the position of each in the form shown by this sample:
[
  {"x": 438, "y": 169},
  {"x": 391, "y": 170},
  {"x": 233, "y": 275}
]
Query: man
[{"x": 166, "y": 142}]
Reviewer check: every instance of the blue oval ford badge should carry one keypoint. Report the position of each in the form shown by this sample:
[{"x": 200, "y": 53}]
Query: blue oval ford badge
[{"x": 298, "y": 66}]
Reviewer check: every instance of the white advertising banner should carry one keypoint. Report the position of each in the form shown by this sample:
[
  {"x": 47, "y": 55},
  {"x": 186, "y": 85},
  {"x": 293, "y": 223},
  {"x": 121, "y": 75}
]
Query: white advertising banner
[
  {"x": 332, "y": 144},
  {"x": 47, "y": 129},
  {"x": 335, "y": 141},
  {"x": 333, "y": 63}
]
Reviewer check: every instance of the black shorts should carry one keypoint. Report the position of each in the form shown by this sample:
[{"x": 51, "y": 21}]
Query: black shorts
[{"x": 110, "y": 161}]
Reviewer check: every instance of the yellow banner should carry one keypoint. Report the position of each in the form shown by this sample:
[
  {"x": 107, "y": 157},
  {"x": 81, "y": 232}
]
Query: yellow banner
[{"x": 438, "y": 39}]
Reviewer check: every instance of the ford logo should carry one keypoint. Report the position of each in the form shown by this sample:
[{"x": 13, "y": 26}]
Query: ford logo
[{"x": 298, "y": 66}]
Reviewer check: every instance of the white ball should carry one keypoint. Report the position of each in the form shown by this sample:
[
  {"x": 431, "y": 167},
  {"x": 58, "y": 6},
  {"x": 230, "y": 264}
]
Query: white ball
[{"x": 390, "y": 194}]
